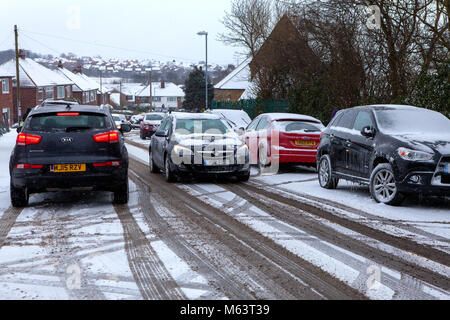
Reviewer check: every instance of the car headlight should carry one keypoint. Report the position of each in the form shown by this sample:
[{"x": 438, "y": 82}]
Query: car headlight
[
  {"x": 244, "y": 147},
  {"x": 414, "y": 155},
  {"x": 182, "y": 151}
]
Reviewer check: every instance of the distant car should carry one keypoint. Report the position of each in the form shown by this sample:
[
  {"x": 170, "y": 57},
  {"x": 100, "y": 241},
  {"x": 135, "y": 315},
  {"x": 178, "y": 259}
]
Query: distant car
[
  {"x": 237, "y": 119},
  {"x": 135, "y": 121},
  {"x": 120, "y": 120},
  {"x": 150, "y": 123},
  {"x": 198, "y": 144},
  {"x": 69, "y": 148},
  {"x": 396, "y": 150},
  {"x": 298, "y": 138}
]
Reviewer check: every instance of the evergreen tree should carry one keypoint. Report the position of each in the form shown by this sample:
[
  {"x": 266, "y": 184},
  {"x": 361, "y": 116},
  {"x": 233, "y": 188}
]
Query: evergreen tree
[{"x": 195, "y": 91}]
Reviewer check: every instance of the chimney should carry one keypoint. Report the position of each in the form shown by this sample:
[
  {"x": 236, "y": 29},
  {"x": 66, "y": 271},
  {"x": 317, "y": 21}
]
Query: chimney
[
  {"x": 163, "y": 84},
  {"x": 60, "y": 64},
  {"x": 77, "y": 70},
  {"x": 22, "y": 54}
]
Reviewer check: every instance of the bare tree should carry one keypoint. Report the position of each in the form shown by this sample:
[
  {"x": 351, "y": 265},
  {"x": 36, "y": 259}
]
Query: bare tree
[{"x": 248, "y": 24}]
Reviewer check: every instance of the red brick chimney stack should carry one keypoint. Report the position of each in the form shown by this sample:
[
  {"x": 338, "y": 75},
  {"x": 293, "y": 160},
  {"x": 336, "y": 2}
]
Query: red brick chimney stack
[
  {"x": 163, "y": 84},
  {"x": 22, "y": 54},
  {"x": 60, "y": 64}
]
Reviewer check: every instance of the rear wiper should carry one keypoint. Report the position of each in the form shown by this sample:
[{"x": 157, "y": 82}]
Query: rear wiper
[{"x": 71, "y": 129}]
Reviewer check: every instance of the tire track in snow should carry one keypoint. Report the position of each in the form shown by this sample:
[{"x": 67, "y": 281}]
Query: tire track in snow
[
  {"x": 152, "y": 278},
  {"x": 7, "y": 221}
]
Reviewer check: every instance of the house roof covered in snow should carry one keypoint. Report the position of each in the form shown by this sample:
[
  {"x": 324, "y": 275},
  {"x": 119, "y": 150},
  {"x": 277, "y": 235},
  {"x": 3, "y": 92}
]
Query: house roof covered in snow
[
  {"x": 238, "y": 79},
  {"x": 80, "y": 83},
  {"x": 170, "y": 90},
  {"x": 33, "y": 74}
]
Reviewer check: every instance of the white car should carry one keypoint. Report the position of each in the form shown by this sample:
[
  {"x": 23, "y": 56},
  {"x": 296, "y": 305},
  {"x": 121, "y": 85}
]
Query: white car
[
  {"x": 236, "y": 119},
  {"x": 119, "y": 119}
]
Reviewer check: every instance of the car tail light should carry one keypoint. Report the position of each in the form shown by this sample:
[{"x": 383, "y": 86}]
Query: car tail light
[
  {"x": 28, "y": 166},
  {"x": 107, "y": 164},
  {"x": 25, "y": 139},
  {"x": 68, "y": 114},
  {"x": 108, "y": 137}
]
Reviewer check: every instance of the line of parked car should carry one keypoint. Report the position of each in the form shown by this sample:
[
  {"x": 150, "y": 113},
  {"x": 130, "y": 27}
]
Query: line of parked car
[{"x": 395, "y": 150}]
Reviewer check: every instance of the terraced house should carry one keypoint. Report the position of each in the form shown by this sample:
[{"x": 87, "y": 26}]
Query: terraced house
[
  {"x": 37, "y": 83},
  {"x": 84, "y": 89},
  {"x": 6, "y": 97}
]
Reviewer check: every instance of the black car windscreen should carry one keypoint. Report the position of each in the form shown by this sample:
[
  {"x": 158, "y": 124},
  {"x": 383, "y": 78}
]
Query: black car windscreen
[{"x": 66, "y": 121}]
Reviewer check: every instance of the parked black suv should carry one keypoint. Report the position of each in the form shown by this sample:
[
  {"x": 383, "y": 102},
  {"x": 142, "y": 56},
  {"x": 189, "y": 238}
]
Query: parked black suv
[
  {"x": 396, "y": 150},
  {"x": 68, "y": 147},
  {"x": 193, "y": 144}
]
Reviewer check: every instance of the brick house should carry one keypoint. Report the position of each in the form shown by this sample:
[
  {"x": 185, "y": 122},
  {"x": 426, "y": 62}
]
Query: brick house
[
  {"x": 233, "y": 86},
  {"x": 6, "y": 97},
  {"x": 37, "y": 83},
  {"x": 83, "y": 89},
  {"x": 165, "y": 96}
]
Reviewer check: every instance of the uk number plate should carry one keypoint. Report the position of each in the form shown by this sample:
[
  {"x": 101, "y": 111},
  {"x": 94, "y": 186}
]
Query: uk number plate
[
  {"x": 59, "y": 168},
  {"x": 213, "y": 162}
]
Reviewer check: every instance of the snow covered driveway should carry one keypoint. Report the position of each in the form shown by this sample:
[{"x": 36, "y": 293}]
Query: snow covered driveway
[{"x": 276, "y": 237}]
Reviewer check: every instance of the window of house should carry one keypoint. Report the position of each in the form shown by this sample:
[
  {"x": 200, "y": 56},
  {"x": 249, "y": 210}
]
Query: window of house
[
  {"x": 60, "y": 92},
  {"x": 67, "y": 91},
  {"x": 41, "y": 94},
  {"x": 129, "y": 98},
  {"x": 156, "y": 99},
  {"x": 92, "y": 96},
  {"x": 5, "y": 86},
  {"x": 49, "y": 93}
]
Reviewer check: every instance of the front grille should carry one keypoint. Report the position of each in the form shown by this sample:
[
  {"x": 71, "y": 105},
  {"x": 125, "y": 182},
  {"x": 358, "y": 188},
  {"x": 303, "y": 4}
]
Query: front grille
[
  {"x": 445, "y": 179},
  {"x": 446, "y": 159}
]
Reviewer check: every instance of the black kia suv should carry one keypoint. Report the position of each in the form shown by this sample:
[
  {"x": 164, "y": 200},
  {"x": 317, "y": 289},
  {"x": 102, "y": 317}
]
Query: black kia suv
[
  {"x": 68, "y": 147},
  {"x": 396, "y": 150}
]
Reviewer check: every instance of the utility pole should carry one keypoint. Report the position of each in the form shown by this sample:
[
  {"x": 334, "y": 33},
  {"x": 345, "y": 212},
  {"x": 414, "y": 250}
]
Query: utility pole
[
  {"x": 204, "y": 33},
  {"x": 16, "y": 36},
  {"x": 151, "y": 89},
  {"x": 120, "y": 94},
  {"x": 101, "y": 88}
]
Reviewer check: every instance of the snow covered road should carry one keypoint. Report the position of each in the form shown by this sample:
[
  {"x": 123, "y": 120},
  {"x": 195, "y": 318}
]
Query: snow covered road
[{"x": 276, "y": 237}]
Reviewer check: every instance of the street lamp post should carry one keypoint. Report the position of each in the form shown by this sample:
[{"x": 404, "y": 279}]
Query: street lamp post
[{"x": 204, "y": 33}]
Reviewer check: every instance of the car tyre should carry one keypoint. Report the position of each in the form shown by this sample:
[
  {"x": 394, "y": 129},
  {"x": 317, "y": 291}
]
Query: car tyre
[
  {"x": 325, "y": 173},
  {"x": 19, "y": 197},
  {"x": 121, "y": 195},
  {"x": 168, "y": 173},
  {"x": 383, "y": 186},
  {"x": 244, "y": 177},
  {"x": 152, "y": 165}
]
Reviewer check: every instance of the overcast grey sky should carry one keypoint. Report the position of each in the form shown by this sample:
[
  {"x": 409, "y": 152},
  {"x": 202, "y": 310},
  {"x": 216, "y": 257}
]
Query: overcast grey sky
[{"x": 163, "y": 29}]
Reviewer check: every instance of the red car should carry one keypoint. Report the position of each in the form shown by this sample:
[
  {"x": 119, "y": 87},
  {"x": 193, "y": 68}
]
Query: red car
[
  {"x": 283, "y": 137},
  {"x": 150, "y": 124}
]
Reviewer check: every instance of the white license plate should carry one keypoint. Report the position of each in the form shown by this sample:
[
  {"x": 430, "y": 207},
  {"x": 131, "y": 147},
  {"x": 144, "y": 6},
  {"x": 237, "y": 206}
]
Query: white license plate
[
  {"x": 213, "y": 162},
  {"x": 446, "y": 168}
]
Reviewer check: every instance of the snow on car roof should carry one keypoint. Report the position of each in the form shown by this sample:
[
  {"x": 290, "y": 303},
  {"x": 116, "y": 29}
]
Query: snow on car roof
[
  {"x": 291, "y": 116},
  {"x": 200, "y": 116}
]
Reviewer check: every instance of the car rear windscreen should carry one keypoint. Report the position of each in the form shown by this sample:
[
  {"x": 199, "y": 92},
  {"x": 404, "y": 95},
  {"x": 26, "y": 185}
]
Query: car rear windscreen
[
  {"x": 298, "y": 126},
  {"x": 153, "y": 117},
  {"x": 55, "y": 122}
]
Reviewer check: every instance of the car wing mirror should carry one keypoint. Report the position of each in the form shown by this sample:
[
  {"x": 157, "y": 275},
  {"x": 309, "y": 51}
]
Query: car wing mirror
[
  {"x": 240, "y": 131},
  {"x": 162, "y": 133},
  {"x": 368, "y": 132},
  {"x": 126, "y": 128}
]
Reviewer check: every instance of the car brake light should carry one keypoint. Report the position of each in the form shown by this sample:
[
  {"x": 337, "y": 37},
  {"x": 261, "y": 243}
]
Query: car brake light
[
  {"x": 28, "y": 166},
  {"x": 25, "y": 139},
  {"x": 108, "y": 164},
  {"x": 68, "y": 114},
  {"x": 108, "y": 137}
]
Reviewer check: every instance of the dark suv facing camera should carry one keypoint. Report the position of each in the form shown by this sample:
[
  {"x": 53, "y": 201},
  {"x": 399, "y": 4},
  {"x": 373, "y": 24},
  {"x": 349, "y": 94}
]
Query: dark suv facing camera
[{"x": 396, "y": 150}]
